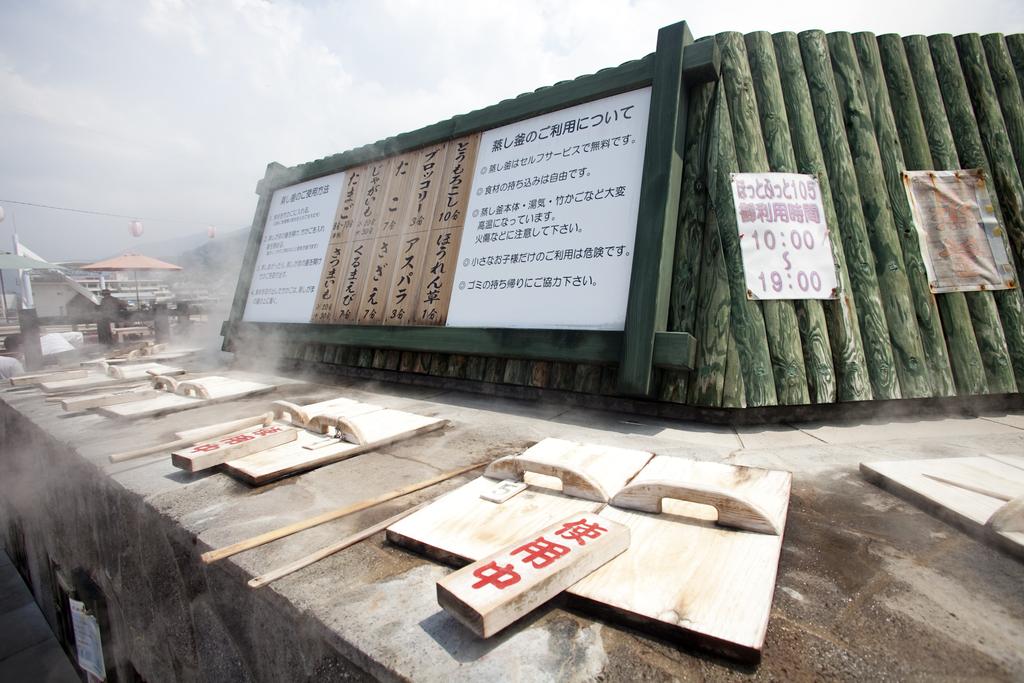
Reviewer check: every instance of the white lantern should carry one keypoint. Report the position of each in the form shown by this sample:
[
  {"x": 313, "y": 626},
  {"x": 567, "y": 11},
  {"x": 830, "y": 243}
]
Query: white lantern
[
  {"x": 211, "y": 232},
  {"x": 136, "y": 228}
]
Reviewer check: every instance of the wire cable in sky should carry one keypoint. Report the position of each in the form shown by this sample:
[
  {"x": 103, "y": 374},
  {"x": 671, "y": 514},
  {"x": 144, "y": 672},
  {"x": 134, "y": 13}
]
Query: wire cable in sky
[{"x": 117, "y": 215}]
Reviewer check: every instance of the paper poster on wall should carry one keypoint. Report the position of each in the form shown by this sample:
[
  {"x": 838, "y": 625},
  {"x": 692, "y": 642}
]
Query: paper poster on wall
[
  {"x": 783, "y": 236},
  {"x": 551, "y": 221},
  {"x": 291, "y": 254},
  {"x": 963, "y": 245},
  {"x": 88, "y": 645}
]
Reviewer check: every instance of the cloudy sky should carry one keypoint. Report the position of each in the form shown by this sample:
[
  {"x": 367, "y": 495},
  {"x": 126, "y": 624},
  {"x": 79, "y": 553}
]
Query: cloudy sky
[{"x": 169, "y": 110}]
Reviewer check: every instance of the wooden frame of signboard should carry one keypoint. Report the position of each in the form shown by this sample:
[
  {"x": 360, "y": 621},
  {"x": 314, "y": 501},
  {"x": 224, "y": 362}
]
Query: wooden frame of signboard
[{"x": 677, "y": 64}]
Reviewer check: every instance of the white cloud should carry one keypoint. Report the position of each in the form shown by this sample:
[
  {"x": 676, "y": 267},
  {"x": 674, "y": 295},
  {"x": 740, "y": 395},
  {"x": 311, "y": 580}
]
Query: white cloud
[{"x": 172, "y": 108}]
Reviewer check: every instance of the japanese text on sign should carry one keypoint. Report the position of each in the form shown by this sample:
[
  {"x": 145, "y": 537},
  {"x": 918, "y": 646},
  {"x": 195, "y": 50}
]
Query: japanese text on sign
[
  {"x": 963, "y": 245},
  {"x": 551, "y": 221},
  {"x": 291, "y": 255},
  {"x": 783, "y": 236},
  {"x": 538, "y": 553}
]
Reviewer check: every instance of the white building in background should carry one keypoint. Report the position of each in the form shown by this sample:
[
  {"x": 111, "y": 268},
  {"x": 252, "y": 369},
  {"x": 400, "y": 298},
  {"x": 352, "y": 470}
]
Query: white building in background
[{"x": 57, "y": 292}]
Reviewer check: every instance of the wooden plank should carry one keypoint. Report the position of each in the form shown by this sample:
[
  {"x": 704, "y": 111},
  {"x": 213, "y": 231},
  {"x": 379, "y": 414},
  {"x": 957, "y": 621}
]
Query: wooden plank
[
  {"x": 282, "y": 461},
  {"x": 109, "y": 399},
  {"x": 703, "y": 583},
  {"x": 463, "y": 527},
  {"x": 39, "y": 377},
  {"x": 341, "y": 233},
  {"x": 412, "y": 247},
  {"x": 211, "y": 431},
  {"x": 398, "y": 202},
  {"x": 369, "y": 212},
  {"x": 774, "y": 126},
  {"x": 966, "y": 509},
  {"x": 116, "y": 375},
  {"x": 850, "y": 223},
  {"x": 650, "y": 278},
  {"x": 852, "y": 378},
  {"x": 686, "y": 292},
  {"x": 970, "y": 149},
  {"x": 709, "y": 585},
  {"x": 496, "y": 591},
  {"x": 441, "y": 258},
  {"x": 915, "y": 380},
  {"x": 893, "y": 163},
  {"x": 918, "y": 113},
  {"x": 207, "y": 454},
  {"x": 174, "y": 403},
  {"x": 746, "y": 320}
]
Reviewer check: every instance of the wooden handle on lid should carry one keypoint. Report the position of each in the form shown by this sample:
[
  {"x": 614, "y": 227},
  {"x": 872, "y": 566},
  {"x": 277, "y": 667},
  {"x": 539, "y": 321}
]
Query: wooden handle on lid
[
  {"x": 574, "y": 483},
  {"x": 733, "y": 511}
]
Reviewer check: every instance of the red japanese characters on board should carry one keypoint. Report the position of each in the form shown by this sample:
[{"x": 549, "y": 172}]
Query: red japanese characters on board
[
  {"x": 234, "y": 439},
  {"x": 783, "y": 236},
  {"x": 495, "y": 591}
]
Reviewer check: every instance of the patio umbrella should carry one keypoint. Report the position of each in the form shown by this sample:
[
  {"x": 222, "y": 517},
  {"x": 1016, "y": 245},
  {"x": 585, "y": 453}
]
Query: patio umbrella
[{"x": 133, "y": 262}]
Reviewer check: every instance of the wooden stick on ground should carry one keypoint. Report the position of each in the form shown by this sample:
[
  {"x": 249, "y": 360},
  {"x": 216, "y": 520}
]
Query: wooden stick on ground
[
  {"x": 298, "y": 564},
  {"x": 256, "y": 541},
  {"x": 195, "y": 436}
]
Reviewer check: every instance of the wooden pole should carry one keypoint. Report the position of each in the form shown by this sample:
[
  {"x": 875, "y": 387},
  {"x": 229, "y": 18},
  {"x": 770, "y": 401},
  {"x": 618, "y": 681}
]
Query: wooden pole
[
  {"x": 780, "y": 321},
  {"x": 330, "y": 515},
  {"x": 774, "y": 125},
  {"x": 892, "y": 163},
  {"x": 852, "y": 380},
  {"x": 746, "y": 321},
  {"x": 970, "y": 147},
  {"x": 927, "y": 144},
  {"x": 890, "y": 270},
  {"x": 357, "y": 537},
  {"x": 1008, "y": 90},
  {"x": 860, "y": 261}
]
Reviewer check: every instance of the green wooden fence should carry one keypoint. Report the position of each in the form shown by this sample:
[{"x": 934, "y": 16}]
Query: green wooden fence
[{"x": 854, "y": 111}]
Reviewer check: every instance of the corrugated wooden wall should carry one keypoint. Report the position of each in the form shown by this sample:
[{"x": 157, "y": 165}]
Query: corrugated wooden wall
[{"x": 854, "y": 110}]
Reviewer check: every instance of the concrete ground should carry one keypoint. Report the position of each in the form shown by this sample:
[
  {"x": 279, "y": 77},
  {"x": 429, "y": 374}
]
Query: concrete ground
[
  {"x": 28, "y": 649},
  {"x": 869, "y": 587}
]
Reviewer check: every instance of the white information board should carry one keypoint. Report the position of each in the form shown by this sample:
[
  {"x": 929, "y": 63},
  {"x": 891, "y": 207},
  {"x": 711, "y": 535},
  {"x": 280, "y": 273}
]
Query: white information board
[
  {"x": 551, "y": 221},
  {"x": 783, "y": 236},
  {"x": 291, "y": 255},
  {"x": 88, "y": 645}
]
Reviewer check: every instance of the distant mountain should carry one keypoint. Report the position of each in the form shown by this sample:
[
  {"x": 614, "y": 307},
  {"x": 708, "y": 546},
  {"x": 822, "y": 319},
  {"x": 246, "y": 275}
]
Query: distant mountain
[
  {"x": 170, "y": 249},
  {"x": 214, "y": 264}
]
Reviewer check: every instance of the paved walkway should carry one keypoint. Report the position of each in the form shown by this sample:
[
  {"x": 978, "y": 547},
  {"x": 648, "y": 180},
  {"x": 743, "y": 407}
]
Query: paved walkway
[{"x": 28, "y": 649}]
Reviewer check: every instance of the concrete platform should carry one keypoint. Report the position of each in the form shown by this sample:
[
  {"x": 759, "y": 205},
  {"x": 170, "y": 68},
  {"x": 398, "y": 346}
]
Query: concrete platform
[{"x": 869, "y": 587}]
